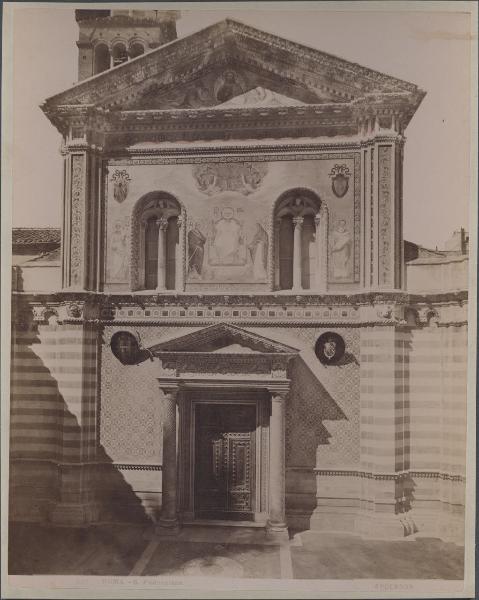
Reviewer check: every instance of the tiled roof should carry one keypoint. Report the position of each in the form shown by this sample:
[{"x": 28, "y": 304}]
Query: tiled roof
[
  {"x": 46, "y": 257},
  {"x": 25, "y": 236}
]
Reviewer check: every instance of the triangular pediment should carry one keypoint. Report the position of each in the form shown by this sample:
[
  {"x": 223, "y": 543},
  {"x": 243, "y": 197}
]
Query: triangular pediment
[
  {"x": 222, "y": 338},
  {"x": 229, "y": 65}
]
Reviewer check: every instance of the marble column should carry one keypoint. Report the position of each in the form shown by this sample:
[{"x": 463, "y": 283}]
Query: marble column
[
  {"x": 277, "y": 259},
  {"x": 277, "y": 519},
  {"x": 319, "y": 255},
  {"x": 298, "y": 228},
  {"x": 179, "y": 283},
  {"x": 162, "y": 227},
  {"x": 168, "y": 518}
]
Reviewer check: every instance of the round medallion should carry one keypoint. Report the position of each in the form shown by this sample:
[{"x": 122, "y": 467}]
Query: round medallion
[
  {"x": 126, "y": 347},
  {"x": 329, "y": 348}
]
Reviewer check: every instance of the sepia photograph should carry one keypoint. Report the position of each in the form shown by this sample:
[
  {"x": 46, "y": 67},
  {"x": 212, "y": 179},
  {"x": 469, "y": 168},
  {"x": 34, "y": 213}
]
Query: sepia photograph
[{"x": 239, "y": 270}]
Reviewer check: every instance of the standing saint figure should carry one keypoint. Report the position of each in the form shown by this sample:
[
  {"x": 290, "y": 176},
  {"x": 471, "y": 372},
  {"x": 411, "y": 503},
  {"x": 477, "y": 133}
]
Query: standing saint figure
[
  {"x": 341, "y": 250},
  {"x": 118, "y": 251},
  {"x": 259, "y": 252},
  {"x": 196, "y": 250}
]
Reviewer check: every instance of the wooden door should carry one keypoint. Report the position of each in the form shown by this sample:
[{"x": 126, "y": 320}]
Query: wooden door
[{"x": 225, "y": 461}]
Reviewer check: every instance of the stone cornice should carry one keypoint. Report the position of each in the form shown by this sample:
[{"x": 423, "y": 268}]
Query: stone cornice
[
  {"x": 328, "y": 119},
  {"x": 284, "y": 150},
  {"x": 205, "y": 299},
  {"x": 359, "y": 310},
  {"x": 348, "y": 71}
]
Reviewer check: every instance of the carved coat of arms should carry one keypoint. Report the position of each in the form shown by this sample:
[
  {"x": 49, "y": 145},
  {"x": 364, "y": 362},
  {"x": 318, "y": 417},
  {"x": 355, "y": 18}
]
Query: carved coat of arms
[
  {"x": 243, "y": 177},
  {"x": 329, "y": 348},
  {"x": 340, "y": 180},
  {"x": 121, "y": 181}
]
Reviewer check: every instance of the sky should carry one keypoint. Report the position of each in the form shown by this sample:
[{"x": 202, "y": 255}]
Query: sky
[{"x": 430, "y": 49}]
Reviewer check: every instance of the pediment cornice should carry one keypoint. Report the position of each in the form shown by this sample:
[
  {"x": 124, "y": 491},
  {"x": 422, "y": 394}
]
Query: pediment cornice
[
  {"x": 310, "y": 76},
  {"x": 210, "y": 339}
]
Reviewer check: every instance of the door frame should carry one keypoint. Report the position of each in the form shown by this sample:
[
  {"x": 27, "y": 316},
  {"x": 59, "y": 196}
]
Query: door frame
[{"x": 191, "y": 398}]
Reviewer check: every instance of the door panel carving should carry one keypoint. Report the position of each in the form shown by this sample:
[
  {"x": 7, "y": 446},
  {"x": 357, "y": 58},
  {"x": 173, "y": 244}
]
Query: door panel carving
[{"x": 225, "y": 461}]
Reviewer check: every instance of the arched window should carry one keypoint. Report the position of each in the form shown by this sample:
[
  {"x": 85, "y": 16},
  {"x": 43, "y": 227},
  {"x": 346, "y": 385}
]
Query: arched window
[
  {"x": 157, "y": 260},
  {"x": 136, "y": 49},
  {"x": 119, "y": 54},
  {"x": 102, "y": 58},
  {"x": 301, "y": 241}
]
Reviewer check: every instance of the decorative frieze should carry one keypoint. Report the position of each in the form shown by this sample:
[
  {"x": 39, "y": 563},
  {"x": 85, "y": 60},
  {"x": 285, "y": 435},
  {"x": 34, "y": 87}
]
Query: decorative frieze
[
  {"x": 275, "y": 310},
  {"x": 385, "y": 215},
  {"x": 249, "y": 313},
  {"x": 77, "y": 219},
  {"x": 243, "y": 177}
]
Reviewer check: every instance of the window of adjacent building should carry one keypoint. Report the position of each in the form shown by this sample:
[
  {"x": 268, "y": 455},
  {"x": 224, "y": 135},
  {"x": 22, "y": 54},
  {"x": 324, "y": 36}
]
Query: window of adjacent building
[
  {"x": 119, "y": 54},
  {"x": 102, "y": 58},
  {"x": 136, "y": 49}
]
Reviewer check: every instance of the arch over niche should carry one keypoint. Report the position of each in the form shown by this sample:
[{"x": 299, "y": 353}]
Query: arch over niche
[
  {"x": 157, "y": 243},
  {"x": 102, "y": 58},
  {"x": 300, "y": 251}
]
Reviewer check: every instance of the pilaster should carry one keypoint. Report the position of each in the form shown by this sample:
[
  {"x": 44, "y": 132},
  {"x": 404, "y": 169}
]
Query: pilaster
[
  {"x": 276, "y": 526},
  {"x": 82, "y": 240},
  {"x": 79, "y": 498},
  {"x": 381, "y": 201}
]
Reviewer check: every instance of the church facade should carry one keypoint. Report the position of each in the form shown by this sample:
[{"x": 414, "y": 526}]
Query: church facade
[{"x": 233, "y": 339}]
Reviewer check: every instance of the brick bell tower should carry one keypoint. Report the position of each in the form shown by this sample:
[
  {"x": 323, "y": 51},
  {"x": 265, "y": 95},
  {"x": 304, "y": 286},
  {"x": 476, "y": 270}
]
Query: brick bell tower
[{"x": 110, "y": 37}]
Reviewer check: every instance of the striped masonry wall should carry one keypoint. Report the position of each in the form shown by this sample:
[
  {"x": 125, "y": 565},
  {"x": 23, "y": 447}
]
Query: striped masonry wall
[
  {"x": 413, "y": 430},
  {"x": 53, "y": 420},
  {"x": 438, "y": 393},
  {"x": 383, "y": 445}
]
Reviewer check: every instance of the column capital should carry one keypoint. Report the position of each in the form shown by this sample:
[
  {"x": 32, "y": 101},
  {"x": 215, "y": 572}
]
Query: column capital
[
  {"x": 298, "y": 221},
  {"x": 162, "y": 223},
  {"x": 180, "y": 220},
  {"x": 317, "y": 219},
  {"x": 279, "y": 392},
  {"x": 170, "y": 389}
]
